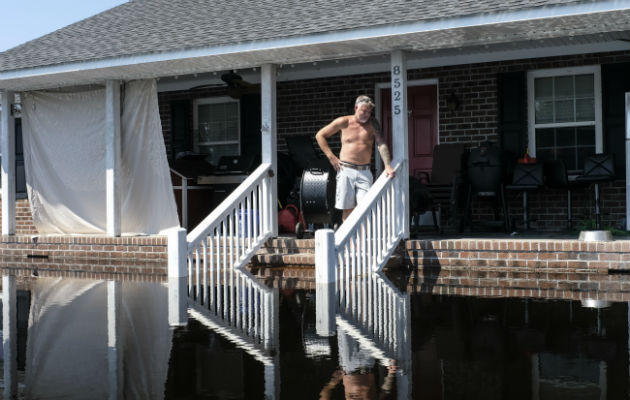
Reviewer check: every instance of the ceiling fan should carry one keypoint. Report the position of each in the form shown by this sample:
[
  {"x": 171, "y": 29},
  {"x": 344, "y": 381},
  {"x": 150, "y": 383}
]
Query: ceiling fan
[{"x": 236, "y": 86}]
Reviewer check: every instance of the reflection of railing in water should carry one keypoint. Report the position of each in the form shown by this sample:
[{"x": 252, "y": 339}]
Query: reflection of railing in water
[
  {"x": 376, "y": 309},
  {"x": 233, "y": 303},
  {"x": 236, "y": 300}
]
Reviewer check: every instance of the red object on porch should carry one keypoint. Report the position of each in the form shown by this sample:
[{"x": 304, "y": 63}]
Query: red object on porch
[{"x": 288, "y": 218}]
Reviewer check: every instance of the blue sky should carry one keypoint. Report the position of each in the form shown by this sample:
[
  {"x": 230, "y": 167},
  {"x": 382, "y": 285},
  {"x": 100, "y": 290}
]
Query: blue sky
[{"x": 25, "y": 20}]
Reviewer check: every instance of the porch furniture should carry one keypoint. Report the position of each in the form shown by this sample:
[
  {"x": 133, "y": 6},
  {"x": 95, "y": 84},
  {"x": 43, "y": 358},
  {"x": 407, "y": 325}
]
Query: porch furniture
[
  {"x": 443, "y": 182},
  {"x": 598, "y": 168},
  {"x": 421, "y": 200},
  {"x": 302, "y": 151},
  {"x": 526, "y": 178},
  {"x": 485, "y": 180},
  {"x": 556, "y": 177}
]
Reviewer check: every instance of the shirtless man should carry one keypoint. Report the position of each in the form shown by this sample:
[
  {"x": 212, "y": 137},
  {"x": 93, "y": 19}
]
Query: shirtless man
[{"x": 358, "y": 133}]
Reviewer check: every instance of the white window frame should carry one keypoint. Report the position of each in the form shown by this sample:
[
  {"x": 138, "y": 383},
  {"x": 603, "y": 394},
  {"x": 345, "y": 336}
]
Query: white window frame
[
  {"x": 531, "y": 109},
  {"x": 215, "y": 100}
]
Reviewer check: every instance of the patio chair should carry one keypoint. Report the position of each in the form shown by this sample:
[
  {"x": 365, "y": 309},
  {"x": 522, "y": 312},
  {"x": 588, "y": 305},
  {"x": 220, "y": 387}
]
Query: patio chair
[
  {"x": 526, "y": 178},
  {"x": 485, "y": 173},
  {"x": 598, "y": 168},
  {"x": 444, "y": 181},
  {"x": 557, "y": 177}
]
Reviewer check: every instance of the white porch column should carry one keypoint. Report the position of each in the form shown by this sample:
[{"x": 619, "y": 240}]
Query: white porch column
[
  {"x": 269, "y": 136},
  {"x": 112, "y": 156},
  {"x": 400, "y": 132},
  {"x": 9, "y": 334},
  {"x": 7, "y": 146}
]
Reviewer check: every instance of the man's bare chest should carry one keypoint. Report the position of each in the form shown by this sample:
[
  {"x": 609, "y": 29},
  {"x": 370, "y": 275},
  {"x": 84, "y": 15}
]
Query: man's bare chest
[{"x": 357, "y": 135}]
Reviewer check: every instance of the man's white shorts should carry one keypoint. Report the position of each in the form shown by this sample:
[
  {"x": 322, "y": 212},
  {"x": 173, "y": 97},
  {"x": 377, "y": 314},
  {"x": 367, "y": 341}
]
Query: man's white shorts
[{"x": 352, "y": 185}]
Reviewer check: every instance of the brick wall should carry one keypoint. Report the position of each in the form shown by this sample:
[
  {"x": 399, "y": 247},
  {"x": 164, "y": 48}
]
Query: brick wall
[{"x": 23, "y": 218}]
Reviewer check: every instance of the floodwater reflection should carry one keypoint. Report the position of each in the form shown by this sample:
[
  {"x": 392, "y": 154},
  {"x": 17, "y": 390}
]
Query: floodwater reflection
[{"x": 241, "y": 339}]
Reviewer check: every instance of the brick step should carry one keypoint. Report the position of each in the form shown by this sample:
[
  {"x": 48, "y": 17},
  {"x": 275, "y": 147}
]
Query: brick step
[{"x": 288, "y": 246}]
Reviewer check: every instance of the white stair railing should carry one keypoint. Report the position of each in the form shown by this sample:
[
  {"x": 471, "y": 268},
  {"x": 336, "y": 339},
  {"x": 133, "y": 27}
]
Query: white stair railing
[
  {"x": 368, "y": 237},
  {"x": 227, "y": 238}
]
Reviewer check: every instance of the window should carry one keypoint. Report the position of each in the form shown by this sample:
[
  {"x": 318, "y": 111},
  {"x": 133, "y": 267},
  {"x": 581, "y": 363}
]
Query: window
[
  {"x": 217, "y": 127},
  {"x": 565, "y": 120}
]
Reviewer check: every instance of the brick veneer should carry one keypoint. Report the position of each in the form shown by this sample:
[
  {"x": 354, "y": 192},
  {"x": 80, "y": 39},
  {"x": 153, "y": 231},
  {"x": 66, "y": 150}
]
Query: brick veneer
[
  {"x": 23, "y": 217},
  {"x": 94, "y": 254},
  {"x": 546, "y": 256},
  {"x": 305, "y": 106}
]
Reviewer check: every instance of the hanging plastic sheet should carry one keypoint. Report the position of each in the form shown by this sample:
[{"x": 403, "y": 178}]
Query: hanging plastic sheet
[{"x": 64, "y": 151}]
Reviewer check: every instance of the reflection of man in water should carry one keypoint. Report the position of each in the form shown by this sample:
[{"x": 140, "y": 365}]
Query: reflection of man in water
[{"x": 356, "y": 371}]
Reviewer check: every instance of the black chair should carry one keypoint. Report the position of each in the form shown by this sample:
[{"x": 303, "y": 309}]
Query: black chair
[
  {"x": 485, "y": 173},
  {"x": 421, "y": 201},
  {"x": 526, "y": 178},
  {"x": 598, "y": 168},
  {"x": 444, "y": 181},
  {"x": 557, "y": 177}
]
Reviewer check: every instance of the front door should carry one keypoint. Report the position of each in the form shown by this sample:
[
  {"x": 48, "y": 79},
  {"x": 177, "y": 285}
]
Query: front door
[{"x": 423, "y": 116}]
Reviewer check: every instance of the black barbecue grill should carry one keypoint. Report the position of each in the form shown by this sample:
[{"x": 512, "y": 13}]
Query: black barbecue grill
[{"x": 317, "y": 196}]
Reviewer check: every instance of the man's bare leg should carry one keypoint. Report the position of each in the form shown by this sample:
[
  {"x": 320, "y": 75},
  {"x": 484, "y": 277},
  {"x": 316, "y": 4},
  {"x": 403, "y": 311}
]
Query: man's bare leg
[{"x": 346, "y": 213}]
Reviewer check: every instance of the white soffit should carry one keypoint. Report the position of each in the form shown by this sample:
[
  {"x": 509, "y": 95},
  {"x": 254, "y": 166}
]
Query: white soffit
[{"x": 584, "y": 19}]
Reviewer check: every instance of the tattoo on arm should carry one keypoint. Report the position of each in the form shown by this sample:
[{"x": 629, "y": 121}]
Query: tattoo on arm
[{"x": 384, "y": 152}]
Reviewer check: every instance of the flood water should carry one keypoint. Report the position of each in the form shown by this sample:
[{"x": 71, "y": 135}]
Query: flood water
[{"x": 238, "y": 339}]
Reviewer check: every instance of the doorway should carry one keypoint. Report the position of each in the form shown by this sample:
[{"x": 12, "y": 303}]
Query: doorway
[{"x": 423, "y": 124}]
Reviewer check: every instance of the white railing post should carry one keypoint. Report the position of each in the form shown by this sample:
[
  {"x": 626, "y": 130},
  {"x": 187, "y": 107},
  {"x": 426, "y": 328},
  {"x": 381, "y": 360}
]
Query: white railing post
[
  {"x": 177, "y": 253},
  {"x": 112, "y": 156},
  {"x": 177, "y": 301},
  {"x": 400, "y": 135},
  {"x": 269, "y": 141},
  {"x": 7, "y": 146},
  {"x": 325, "y": 268}
]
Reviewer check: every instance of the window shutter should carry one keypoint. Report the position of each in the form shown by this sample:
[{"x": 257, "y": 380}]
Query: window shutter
[
  {"x": 513, "y": 112},
  {"x": 615, "y": 83},
  {"x": 180, "y": 130},
  {"x": 20, "y": 173}
]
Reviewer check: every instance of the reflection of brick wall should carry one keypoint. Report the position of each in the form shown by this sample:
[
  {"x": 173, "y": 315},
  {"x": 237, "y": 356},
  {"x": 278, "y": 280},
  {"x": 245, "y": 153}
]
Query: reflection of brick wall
[{"x": 23, "y": 218}]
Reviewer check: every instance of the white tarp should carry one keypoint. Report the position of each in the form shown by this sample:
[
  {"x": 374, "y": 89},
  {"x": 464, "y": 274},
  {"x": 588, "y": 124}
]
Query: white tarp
[
  {"x": 68, "y": 344},
  {"x": 64, "y": 154}
]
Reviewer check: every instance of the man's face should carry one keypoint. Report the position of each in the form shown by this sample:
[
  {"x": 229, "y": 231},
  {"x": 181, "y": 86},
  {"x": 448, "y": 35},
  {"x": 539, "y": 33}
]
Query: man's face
[{"x": 362, "y": 112}]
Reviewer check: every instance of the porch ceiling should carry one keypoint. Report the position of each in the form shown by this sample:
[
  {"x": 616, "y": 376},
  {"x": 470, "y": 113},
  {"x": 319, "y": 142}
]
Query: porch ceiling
[{"x": 426, "y": 41}]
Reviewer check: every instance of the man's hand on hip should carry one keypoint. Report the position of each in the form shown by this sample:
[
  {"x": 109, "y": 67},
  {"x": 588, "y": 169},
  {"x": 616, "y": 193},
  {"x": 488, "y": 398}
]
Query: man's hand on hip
[{"x": 335, "y": 162}]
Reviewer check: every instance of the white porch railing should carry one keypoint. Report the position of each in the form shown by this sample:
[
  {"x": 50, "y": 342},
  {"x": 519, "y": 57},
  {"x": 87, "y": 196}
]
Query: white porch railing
[
  {"x": 227, "y": 238},
  {"x": 368, "y": 237}
]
